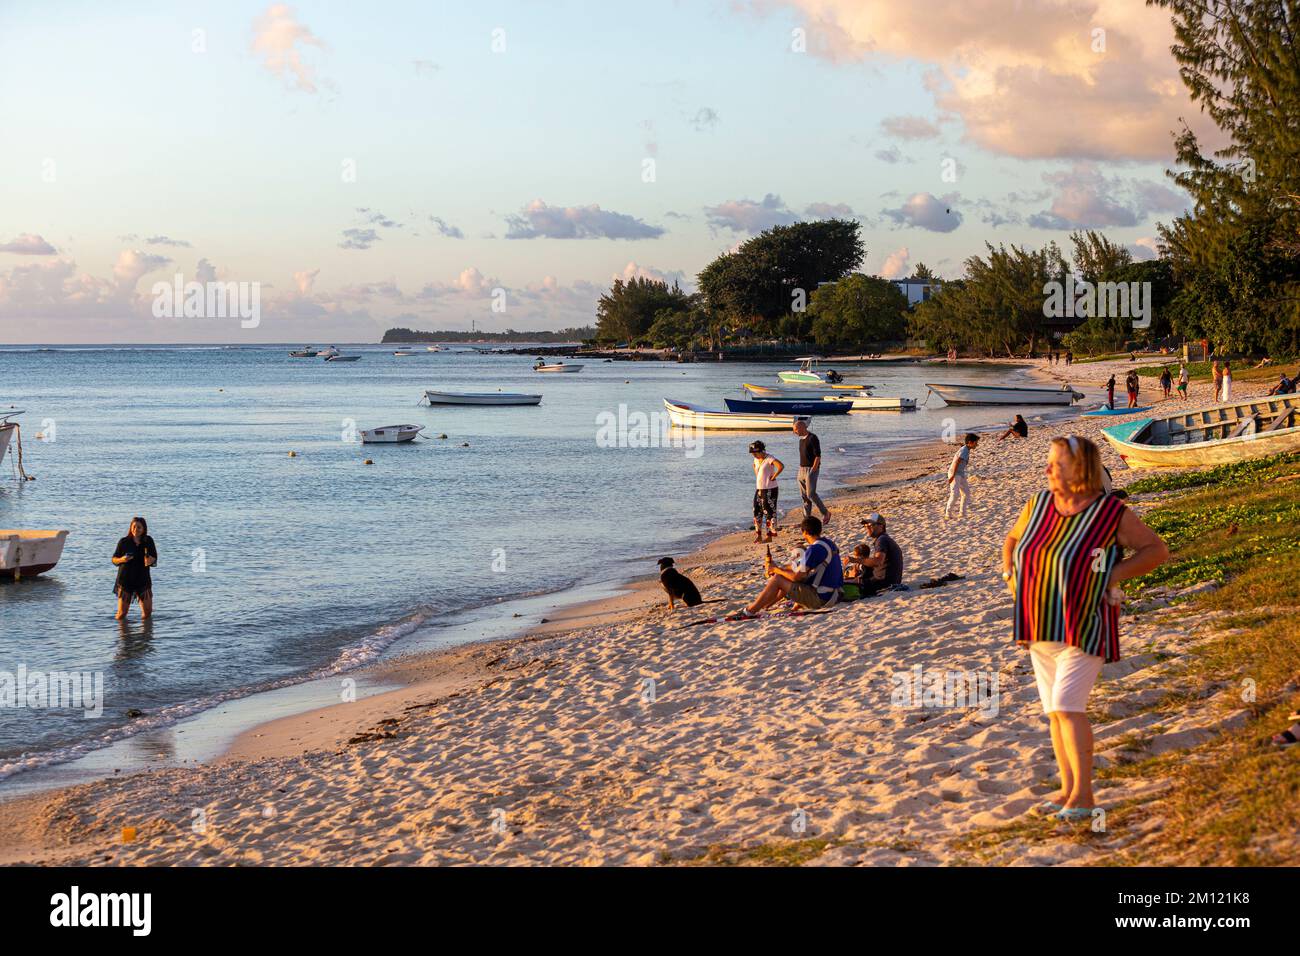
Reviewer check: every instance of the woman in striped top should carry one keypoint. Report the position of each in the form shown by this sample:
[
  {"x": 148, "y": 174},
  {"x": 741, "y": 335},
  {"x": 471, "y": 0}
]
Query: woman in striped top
[{"x": 1063, "y": 562}]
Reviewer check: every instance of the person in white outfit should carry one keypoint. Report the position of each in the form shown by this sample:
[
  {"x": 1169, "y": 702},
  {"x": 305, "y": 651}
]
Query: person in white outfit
[
  {"x": 958, "y": 487},
  {"x": 1226, "y": 394}
]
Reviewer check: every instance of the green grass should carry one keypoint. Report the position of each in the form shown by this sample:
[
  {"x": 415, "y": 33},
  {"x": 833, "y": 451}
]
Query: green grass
[
  {"x": 1234, "y": 475},
  {"x": 1202, "y": 371}
]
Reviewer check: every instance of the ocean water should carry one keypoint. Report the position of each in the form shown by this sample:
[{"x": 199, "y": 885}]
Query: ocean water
[{"x": 274, "y": 569}]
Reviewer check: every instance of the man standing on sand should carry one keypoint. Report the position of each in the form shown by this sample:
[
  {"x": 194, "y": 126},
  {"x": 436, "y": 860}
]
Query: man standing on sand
[
  {"x": 1131, "y": 383},
  {"x": 958, "y": 488},
  {"x": 810, "y": 465},
  {"x": 1182, "y": 379},
  {"x": 1110, "y": 392}
]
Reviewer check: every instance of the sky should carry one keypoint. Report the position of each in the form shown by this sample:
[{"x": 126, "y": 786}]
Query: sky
[{"x": 433, "y": 165}]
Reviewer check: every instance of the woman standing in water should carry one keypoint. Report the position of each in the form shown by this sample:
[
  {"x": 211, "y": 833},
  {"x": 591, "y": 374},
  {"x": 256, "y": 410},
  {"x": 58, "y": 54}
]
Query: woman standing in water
[
  {"x": 1064, "y": 562},
  {"x": 134, "y": 556}
]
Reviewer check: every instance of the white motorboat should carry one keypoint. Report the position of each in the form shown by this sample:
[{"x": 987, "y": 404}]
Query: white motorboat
[
  {"x": 25, "y": 553},
  {"x": 433, "y": 348},
  {"x": 343, "y": 358},
  {"x": 1237, "y": 431},
  {"x": 808, "y": 374},
  {"x": 798, "y": 393},
  {"x": 390, "y": 434},
  {"x": 327, "y": 353},
  {"x": 405, "y": 353},
  {"x": 874, "y": 403},
  {"x": 684, "y": 415},
  {"x": 305, "y": 352},
  {"x": 557, "y": 367},
  {"x": 956, "y": 394},
  {"x": 480, "y": 398}
]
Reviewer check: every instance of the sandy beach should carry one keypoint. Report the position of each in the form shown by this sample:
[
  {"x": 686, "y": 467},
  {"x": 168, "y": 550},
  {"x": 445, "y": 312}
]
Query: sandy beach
[{"x": 617, "y": 734}]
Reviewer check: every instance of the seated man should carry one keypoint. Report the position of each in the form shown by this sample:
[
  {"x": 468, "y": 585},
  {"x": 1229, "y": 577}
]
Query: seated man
[
  {"x": 812, "y": 581},
  {"x": 884, "y": 567}
]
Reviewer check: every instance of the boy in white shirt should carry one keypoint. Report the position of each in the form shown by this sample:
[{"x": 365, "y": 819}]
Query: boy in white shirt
[{"x": 958, "y": 488}]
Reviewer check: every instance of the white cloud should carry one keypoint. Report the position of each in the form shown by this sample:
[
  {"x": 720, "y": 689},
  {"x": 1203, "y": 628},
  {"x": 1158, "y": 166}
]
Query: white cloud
[
  {"x": 277, "y": 38},
  {"x": 926, "y": 211},
  {"x": 28, "y": 245},
  {"x": 537, "y": 220},
  {"x": 909, "y": 127},
  {"x": 746, "y": 215},
  {"x": 896, "y": 263}
]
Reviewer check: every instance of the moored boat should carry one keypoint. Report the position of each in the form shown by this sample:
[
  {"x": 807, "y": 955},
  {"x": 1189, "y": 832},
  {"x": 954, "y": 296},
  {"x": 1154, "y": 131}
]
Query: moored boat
[
  {"x": 327, "y": 353},
  {"x": 339, "y": 357},
  {"x": 809, "y": 374},
  {"x": 557, "y": 367},
  {"x": 685, "y": 415},
  {"x": 1217, "y": 435},
  {"x": 776, "y": 406},
  {"x": 25, "y": 553},
  {"x": 305, "y": 352},
  {"x": 405, "y": 353},
  {"x": 480, "y": 398},
  {"x": 873, "y": 403},
  {"x": 390, "y": 434},
  {"x": 959, "y": 394},
  {"x": 803, "y": 392},
  {"x": 7, "y": 431}
]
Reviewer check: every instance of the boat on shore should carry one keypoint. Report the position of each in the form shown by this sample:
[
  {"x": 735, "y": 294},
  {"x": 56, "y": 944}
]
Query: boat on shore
[
  {"x": 390, "y": 434},
  {"x": 480, "y": 398},
  {"x": 26, "y": 553},
  {"x": 557, "y": 367},
  {"x": 960, "y": 394},
  {"x": 873, "y": 403},
  {"x": 685, "y": 415},
  {"x": 803, "y": 392},
  {"x": 1217, "y": 435},
  {"x": 776, "y": 406}
]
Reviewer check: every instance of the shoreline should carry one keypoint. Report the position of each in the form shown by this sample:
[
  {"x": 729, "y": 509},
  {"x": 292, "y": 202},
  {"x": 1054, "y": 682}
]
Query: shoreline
[{"x": 423, "y": 681}]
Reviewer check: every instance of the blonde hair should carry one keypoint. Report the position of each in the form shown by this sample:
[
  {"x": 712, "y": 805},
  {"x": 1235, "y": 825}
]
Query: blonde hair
[{"x": 1086, "y": 458}]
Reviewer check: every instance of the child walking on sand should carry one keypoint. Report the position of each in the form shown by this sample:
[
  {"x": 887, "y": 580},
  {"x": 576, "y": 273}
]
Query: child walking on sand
[{"x": 958, "y": 487}]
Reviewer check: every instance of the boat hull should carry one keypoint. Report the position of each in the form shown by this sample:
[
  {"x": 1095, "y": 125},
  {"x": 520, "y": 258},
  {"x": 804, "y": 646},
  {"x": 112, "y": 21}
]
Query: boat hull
[
  {"x": 872, "y": 403},
  {"x": 6, "y": 433},
  {"x": 481, "y": 398},
  {"x": 793, "y": 393},
  {"x": 390, "y": 434},
  {"x": 690, "y": 416},
  {"x": 1208, "y": 436},
  {"x": 27, "y": 553},
  {"x": 800, "y": 378},
  {"x": 344, "y": 358},
  {"x": 557, "y": 368},
  {"x": 776, "y": 406},
  {"x": 1001, "y": 395}
]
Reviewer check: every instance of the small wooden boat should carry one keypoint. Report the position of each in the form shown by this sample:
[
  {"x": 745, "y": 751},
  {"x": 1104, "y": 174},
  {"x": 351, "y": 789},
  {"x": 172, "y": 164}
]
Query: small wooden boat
[
  {"x": 684, "y": 415},
  {"x": 803, "y": 392},
  {"x": 557, "y": 367},
  {"x": 7, "y": 431},
  {"x": 343, "y": 358},
  {"x": 480, "y": 398},
  {"x": 1236, "y": 431},
  {"x": 1105, "y": 412},
  {"x": 873, "y": 403},
  {"x": 390, "y": 434},
  {"x": 775, "y": 406},
  {"x": 25, "y": 553},
  {"x": 305, "y": 352},
  {"x": 808, "y": 374},
  {"x": 957, "y": 394}
]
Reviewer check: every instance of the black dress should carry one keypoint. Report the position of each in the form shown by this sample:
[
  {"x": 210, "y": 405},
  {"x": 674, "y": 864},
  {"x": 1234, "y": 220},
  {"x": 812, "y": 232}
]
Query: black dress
[{"x": 133, "y": 577}]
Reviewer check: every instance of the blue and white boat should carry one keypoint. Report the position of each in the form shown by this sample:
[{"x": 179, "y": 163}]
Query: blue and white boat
[{"x": 775, "y": 406}]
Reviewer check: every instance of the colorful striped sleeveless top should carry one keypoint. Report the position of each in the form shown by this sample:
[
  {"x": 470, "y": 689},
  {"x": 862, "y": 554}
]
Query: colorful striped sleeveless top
[{"x": 1062, "y": 565}]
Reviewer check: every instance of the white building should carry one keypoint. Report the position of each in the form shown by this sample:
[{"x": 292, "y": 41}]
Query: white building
[{"x": 917, "y": 290}]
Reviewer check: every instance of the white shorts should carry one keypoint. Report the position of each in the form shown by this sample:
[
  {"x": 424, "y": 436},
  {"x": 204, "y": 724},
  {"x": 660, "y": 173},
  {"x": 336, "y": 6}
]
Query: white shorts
[{"x": 1065, "y": 676}]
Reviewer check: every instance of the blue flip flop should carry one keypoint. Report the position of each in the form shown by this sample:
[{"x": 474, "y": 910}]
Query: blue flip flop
[
  {"x": 1075, "y": 814},
  {"x": 1048, "y": 809}
]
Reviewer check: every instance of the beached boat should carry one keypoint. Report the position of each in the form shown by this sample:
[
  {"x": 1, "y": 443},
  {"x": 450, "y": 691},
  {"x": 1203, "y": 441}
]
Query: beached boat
[
  {"x": 685, "y": 415},
  {"x": 775, "y": 406},
  {"x": 343, "y": 358},
  {"x": 24, "y": 553},
  {"x": 957, "y": 394},
  {"x": 304, "y": 352},
  {"x": 390, "y": 434},
  {"x": 873, "y": 403},
  {"x": 557, "y": 367},
  {"x": 791, "y": 393},
  {"x": 809, "y": 374},
  {"x": 1211, "y": 436},
  {"x": 480, "y": 398}
]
